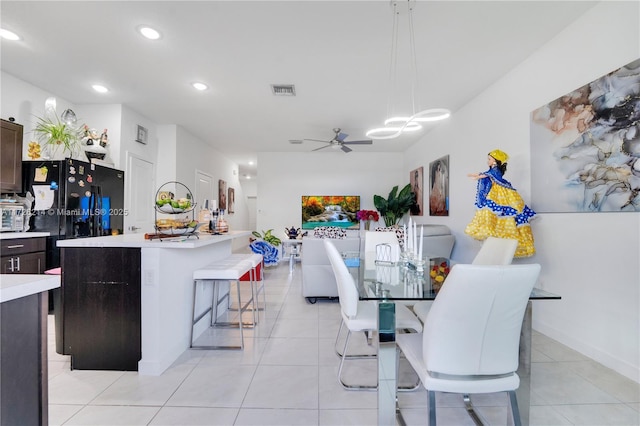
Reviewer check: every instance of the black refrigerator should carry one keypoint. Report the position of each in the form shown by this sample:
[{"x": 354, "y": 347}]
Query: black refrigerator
[{"x": 73, "y": 199}]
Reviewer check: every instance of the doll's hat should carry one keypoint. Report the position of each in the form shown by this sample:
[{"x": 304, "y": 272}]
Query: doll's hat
[{"x": 501, "y": 156}]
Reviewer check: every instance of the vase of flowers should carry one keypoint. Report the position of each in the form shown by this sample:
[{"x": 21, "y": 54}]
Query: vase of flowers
[
  {"x": 438, "y": 273},
  {"x": 367, "y": 216}
]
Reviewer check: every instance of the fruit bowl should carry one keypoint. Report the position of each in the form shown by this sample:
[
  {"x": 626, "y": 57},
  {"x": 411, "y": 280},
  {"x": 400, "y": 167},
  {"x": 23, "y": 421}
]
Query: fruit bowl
[
  {"x": 168, "y": 208},
  {"x": 178, "y": 231}
]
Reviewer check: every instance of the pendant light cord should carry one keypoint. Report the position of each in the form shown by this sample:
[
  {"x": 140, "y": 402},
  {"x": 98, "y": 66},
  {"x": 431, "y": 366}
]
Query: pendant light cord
[
  {"x": 414, "y": 62},
  {"x": 393, "y": 63}
]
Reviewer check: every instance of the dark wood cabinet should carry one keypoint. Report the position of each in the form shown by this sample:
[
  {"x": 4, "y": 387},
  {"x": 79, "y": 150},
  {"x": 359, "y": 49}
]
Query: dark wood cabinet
[
  {"x": 23, "y": 255},
  {"x": 101, "y": 307},
  {"x": 11, "y": 158},
  {"x": 23, "y": 361}
]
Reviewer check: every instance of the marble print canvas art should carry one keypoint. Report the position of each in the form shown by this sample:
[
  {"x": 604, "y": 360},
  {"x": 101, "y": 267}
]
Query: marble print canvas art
[{"x": 585, "y": 147}]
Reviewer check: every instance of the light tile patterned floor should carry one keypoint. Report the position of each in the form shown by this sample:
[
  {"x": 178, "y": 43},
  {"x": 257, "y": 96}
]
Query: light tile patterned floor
[{"x": 286, "y": 375}]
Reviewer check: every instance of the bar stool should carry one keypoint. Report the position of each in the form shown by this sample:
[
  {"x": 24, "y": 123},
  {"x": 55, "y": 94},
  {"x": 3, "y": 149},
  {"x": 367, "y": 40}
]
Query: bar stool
[
  {"x": 256, "y": 278},
  {"x": 222, "y": 270}
]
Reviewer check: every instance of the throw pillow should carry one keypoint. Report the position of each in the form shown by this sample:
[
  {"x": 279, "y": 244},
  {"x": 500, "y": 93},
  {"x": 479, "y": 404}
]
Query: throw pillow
[{"x": 330, "y": 232}]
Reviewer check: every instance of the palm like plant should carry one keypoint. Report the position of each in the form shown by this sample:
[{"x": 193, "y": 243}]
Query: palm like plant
[{"x": 395, "y": 205}]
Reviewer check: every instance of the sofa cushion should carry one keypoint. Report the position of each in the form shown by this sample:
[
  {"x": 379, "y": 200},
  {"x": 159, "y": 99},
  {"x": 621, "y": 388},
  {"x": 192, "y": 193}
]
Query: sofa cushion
[{"x": 318, "y": 279}]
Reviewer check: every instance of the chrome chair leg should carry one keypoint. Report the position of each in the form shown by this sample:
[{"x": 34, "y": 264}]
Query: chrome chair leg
[
  {"x": 431, "y": 402},
  {"x": 515, "y": 411},
  {"x": 472, "y": 413},
  {"x": 342, "y": 359}
]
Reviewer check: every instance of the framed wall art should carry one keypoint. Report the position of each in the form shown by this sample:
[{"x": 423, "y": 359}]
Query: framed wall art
[
  {"x": 141, "y": 134},
  {"x": 330, "y": 210},
  {"x": 416, "y": 177},
  {"x": 585, "y": 147},
  {"x": 222, "y": 195},
  {"x": 439, "y": 187},
  {"x": 231, "y": 200}
]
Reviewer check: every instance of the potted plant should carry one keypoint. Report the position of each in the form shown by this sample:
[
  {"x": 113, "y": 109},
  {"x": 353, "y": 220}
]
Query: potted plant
[
  {"x": 267, "y": 245},
  {"x": 395, "y": 205},
  {"x": 54, "y": 133}
]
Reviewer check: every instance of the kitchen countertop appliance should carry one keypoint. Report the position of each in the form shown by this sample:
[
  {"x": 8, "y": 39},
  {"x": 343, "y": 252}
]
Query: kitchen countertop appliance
[{"x": 12, "y": 217}]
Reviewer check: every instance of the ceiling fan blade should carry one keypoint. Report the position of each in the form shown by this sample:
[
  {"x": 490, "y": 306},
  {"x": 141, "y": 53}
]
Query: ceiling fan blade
[
  {"x": 340, "y": 137},
  {"x": 345, "y": 148},
  {"x": 322, "y": 147},
  {"x": 316, "y": 140},
  {"x": 363, "y": 142}
]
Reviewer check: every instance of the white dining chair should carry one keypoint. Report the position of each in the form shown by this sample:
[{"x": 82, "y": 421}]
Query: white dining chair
[
  {"x": 359, "y": 315},
  {"x": 494, "y": 251},
  {"x": 372, "y": 239},
  {"x": 470, "y": 342}
]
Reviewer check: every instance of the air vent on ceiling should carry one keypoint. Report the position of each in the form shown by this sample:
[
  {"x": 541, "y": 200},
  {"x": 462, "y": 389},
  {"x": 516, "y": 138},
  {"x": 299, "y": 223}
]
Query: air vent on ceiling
[
  {"x": 283, "y": 89},
  {"x": 295, "y": 141}
]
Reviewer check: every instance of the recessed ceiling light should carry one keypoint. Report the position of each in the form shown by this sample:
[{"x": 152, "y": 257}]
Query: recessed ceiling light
[
  {"x": 199, "y": 86},
  {"x": 100, "y": 88},
  {"x": 8, "y": 35},
  {"x": 251, "y": 163},
  {"x": 149, "y": 32}
]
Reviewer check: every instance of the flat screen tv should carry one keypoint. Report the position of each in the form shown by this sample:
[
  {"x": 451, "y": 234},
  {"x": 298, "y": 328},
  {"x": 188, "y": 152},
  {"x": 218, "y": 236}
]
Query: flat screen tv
[{"x": 330, "y": 210}]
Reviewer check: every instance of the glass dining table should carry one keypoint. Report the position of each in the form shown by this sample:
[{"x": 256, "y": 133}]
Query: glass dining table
[{"x": 390, "y": 282}]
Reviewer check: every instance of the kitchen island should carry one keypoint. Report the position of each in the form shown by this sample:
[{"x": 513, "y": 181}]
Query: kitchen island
[
  {"x": 126, "y": 301},
  {"x": 23, "y": 358}
]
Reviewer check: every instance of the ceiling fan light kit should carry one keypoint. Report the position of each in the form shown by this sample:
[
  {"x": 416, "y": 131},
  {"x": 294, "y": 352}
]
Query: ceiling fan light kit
[{"x": 397, "y": 125}]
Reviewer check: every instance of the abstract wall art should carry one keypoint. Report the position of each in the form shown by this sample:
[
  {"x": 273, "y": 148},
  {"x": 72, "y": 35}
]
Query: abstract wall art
[{"x": 585, "y": 147}]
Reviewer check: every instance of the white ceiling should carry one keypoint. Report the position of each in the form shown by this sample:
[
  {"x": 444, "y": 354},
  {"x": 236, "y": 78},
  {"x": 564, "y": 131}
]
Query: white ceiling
[{"x": 336, "y": 53}]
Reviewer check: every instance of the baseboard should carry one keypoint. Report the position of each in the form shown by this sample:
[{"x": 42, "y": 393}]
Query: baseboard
[{"x": 630, "y": 371}]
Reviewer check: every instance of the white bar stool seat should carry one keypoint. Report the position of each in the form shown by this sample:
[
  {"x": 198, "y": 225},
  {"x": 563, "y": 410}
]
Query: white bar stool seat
[
  {"x": 257, "y": 282},
  {"x": 222, "y": 270}
]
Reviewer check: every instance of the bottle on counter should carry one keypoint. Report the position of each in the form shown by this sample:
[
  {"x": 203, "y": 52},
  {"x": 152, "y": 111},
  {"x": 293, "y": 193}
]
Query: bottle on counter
[
  {"x": 104, "y": 139},
  {"x": 222, "y": 225},
  {"x": 204, "y": 215}
]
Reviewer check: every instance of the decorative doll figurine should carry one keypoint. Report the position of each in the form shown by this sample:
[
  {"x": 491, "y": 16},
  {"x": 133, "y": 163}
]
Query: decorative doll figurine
[{"x": 501, "y": 212}]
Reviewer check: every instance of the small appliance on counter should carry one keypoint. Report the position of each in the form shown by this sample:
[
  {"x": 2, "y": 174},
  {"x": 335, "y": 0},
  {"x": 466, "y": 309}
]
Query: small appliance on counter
[{"x": 12, "y": 216}]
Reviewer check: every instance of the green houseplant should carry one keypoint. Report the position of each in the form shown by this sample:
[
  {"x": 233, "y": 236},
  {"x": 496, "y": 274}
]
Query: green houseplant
[
  {"x": 268, "y": 237},
  {"x": 54, "y": 133},
  {"x": 395, "y": 205}
]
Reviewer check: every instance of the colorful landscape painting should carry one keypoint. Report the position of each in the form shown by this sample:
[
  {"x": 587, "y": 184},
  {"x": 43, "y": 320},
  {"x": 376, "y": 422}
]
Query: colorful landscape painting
[{"x": 330, "y": 210}]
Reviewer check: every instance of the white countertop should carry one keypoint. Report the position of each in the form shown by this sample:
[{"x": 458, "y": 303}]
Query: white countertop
[
  {"x": 15, "y": 286},
  {"x": 14, "y": 235},
  {"x": 138, "y": 241}
]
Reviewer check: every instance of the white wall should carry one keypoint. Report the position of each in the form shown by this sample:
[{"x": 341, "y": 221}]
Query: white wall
[
  {"x": 590, "y": 259},
  {"x": 25, "y": 102},
  {"x": 286, "y": 177},
  {"x": 194, "y": 154}
]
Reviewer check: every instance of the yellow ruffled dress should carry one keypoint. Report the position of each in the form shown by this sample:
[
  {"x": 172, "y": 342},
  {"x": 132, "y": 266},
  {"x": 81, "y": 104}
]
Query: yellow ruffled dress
[{"x": 501, "y": 213}]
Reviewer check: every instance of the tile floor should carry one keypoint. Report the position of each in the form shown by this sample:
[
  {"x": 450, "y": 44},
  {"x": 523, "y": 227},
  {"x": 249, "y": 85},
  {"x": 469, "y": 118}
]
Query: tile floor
[{"x": 286, "y": 375}]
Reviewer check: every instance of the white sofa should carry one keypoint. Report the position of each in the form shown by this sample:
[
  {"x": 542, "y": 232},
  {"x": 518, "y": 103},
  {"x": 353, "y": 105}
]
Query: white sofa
[{"x": 318, "y": 280}]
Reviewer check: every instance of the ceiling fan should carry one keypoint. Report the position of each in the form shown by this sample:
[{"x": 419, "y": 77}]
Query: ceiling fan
[{"x": 338, "y": 141}]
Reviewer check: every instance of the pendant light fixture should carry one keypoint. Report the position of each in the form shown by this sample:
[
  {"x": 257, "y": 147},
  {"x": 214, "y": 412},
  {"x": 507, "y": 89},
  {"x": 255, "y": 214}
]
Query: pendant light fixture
[{"x": 396, "y": 125}]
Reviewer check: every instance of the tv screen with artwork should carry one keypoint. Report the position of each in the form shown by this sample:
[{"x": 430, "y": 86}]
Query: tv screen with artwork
[{"x": 330, "y": 210}]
